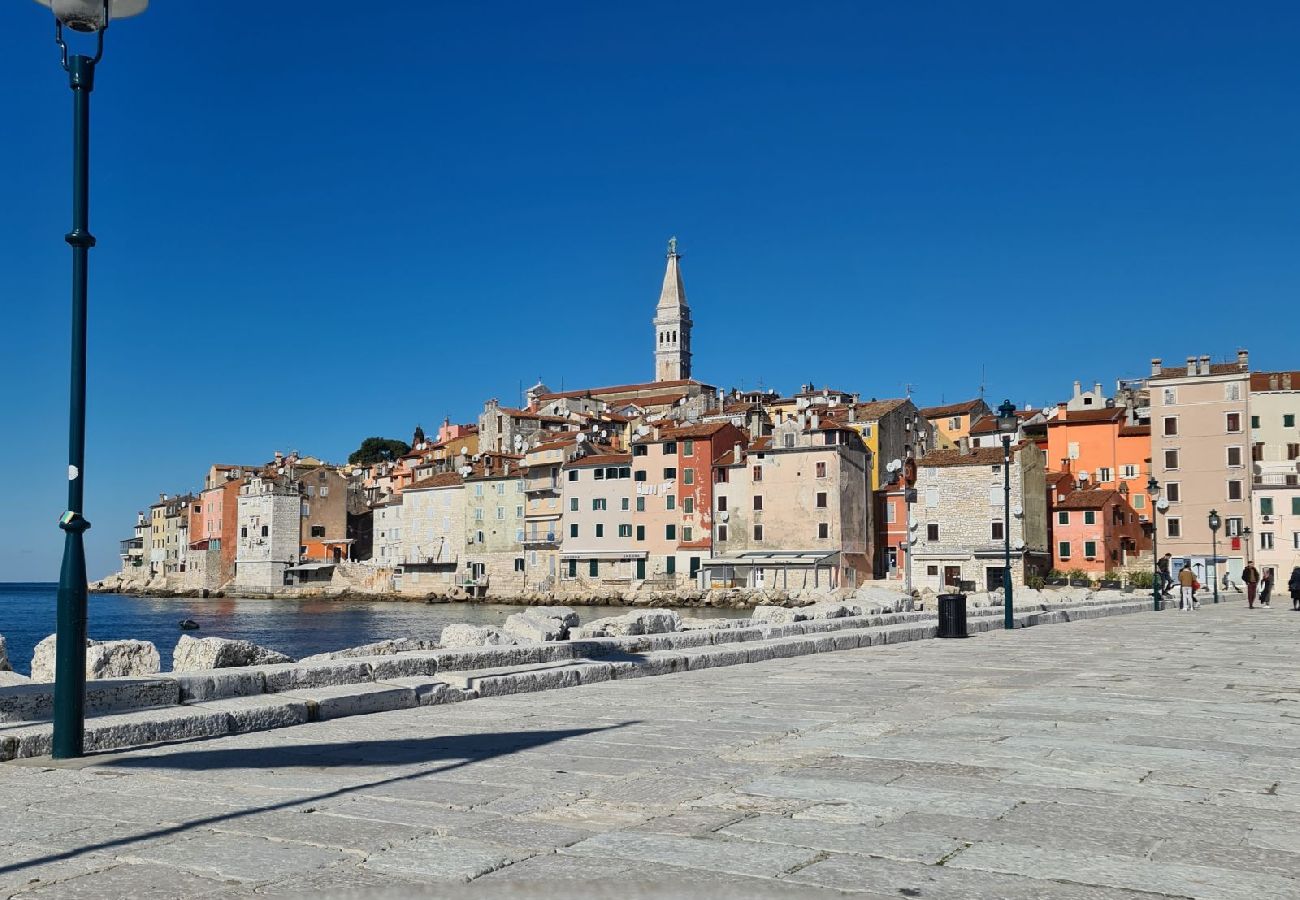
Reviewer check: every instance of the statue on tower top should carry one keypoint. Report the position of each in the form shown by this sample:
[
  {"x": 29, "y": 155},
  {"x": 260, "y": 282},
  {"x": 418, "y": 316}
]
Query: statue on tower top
[{"x": 672, "y": 246}]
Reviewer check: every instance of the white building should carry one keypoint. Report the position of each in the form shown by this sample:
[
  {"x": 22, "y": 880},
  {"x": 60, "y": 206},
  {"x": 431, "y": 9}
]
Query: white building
[{"x": 269, "y": 523}]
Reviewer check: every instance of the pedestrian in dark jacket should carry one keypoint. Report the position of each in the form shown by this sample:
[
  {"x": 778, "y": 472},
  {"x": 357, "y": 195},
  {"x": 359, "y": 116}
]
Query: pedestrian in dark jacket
[
  {"x": 1265, "y": 588},
  {"x": 1250, "y": 575},
  {"x": 1294, "y": 587}
]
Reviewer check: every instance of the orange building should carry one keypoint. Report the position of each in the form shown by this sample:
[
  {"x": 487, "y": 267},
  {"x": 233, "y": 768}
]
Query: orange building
[
  {"x": 1096, "y": 531},
  {"x": 1103, "y": 449},
  {"x": 952, "y": 422}
]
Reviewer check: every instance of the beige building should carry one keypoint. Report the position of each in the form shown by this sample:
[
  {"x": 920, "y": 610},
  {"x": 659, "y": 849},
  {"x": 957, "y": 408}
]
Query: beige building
[
  {"x": 1275, "y": 458},
  {"x": 1276, "y": 532},
  {"x": 600, "y": 548},
  {"x": 494, "y": 527},
  {"x": 543, "y": 512},
  {"x": 961, "y": 518},
  {"x": 1200, "y": 442},
  {"x": 432, "y": 542}
]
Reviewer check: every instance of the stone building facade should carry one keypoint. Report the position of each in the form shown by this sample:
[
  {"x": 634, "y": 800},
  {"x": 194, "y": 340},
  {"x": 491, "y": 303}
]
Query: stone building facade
[
  {"x": 269, "y": 519},
  {"x": 494, "y": 528}
]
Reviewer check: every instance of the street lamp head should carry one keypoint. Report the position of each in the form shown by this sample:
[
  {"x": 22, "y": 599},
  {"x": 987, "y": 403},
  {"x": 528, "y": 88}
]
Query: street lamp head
[
  {"x": 93, "y": 15},
  {"x": 1215, "y": 521},
  {"x": 1007, "y": 421}
]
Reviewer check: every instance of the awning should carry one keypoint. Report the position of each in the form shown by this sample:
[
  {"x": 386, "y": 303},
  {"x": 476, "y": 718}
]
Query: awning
[
  {"x": 310, "y": 567},
  {"x": 774, "y": 558}
]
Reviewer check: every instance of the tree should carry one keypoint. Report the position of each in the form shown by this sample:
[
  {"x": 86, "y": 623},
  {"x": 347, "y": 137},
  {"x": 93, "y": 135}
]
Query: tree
[{"x": 378, "y": 449}]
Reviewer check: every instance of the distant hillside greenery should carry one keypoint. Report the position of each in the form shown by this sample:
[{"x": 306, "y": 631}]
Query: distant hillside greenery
[{"x": 378, "y": 449}]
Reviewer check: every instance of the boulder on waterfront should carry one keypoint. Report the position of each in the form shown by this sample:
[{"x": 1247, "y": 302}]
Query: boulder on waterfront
[
  {"x": 777, "y": 615},
  {"x": 12, "y": 679},
  {"x": 378, "y": 648},
  {"x": 650, "y": 621},
  {"x": 888, "y": 599},
  {"x": 104, "y": 659},
  {"x": 541, "y": 623},
  {"x": 4, "y": 656},
  {"x": 690, "y": 624},
  {"x": 197, "y": 654},
  {"x": 458, "y": 636}
]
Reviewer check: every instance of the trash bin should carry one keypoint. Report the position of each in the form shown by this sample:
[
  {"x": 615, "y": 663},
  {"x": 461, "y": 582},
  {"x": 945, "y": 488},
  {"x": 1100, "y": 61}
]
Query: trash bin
[{"x": 952, "y": 616}]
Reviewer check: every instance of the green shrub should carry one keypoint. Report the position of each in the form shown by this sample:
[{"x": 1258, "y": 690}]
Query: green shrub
[
  {"x": 1053, "y": 574},
  {"x": 1078, "y": 575},
  {"x": 1142, "y": 580},
  {"x": 1037, "y": 582}
]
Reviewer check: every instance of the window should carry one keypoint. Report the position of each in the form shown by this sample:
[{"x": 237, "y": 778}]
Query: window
[
  {"x": 478, "y": 514},
  {"x": 598, "y": 474},
  {"x": 593, "y": 568},
  {"x": 1234, "y": 490},
  {"x": 688, "y": 476},
  {"x": 1089, "y": 517},
  {"x": 1171, "y": 460},
  {"x": 598, "y": 504},
  {"x": 1257, "y": 452},
  {"x": 1292, "y": 452},
  {"x": 625, "y": 531},
  {"x": 954, "y": 424},
  {"x": 932, "y": 531},
  {"x": 640, "y": 504},
  {"x": 670, "y": 532},
  {"x": 1266, "y": 540},
  {"x": 501, "y": 513},
  {"x": 1295, "y": 540},
  {"x": 639, "y": 475},
  {"x": 573, "y": 476},
  {"x": 670, "y": 501},
  {"x": 1234, "y": 458},
  {"x": 721, "y": 476},
  {"x": 758, "y": 473},
  {"x": 720, "y": 533},
  {"x": 306, "y": 509},
  {"x": 243, "y": 533},
  {"x": 1174, "y": 528},
  {"x": 1173, "y": 492},
  {"x": 821, "y": 470},
  {"x": 758, "y": 502},
  {"x": 519, "y": 563},
  {"x": 688, "y": 505},
  {"x": 1265, "y": 507},
  {"x": 688, "y": 448},
  {"x": 821, "y": 499},
  {"x": 1103, "y": 475},
  {"x": 600, "y": 530},
  {"x": 1090, "y": 549},
  {"x": 1063, "y": 550},
  {"x": 1232, "y": 391},
  {"x": 823, "y": 531},
  {"x": 996, "y": 531},
  {"x": 1139, "y": 501},
  {"x": 640, "y": 450},
  {"x": 573, "y": 529},
  {"x": 519, "y": 512},
  {"x": 573, "y": 504},
  {"x": 612, "y": 473},
  {"x": 266, "y": 530},
  {"x": 573, "y": 568},
  {"x": 1171, "y": 426},
  {"x": 670, "y": 448},
  {"x": 624, "y": 503},
  {"x": 722, "y": 504},
  {"x": 478, "y": 490},
  {"x": 318, "y": 531},
  {"x": 1288, "y": 420},
  {"x": 788, "y": 439},
  {"x": 1232, "y": 422},
  {"x": 670, "y": 565},
  {"x": 670, "y": 473},
  {"x": 1062, "y": 517},
  {"x": 1254, "y": 421},
  {"x": 640, "y": 532},
  {"x": 758, "y": 532},
  {"x": 1295, "y": 506},
  {"x": 1233, "y": 524},
  {"x": 1128, "y": 472},
  {"x": 932, "y": 571},
  {"x": 687, "y": 533}
]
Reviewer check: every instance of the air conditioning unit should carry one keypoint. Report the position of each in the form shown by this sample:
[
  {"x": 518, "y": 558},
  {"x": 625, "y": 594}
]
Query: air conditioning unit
[{"x": 1267, "y": 520}]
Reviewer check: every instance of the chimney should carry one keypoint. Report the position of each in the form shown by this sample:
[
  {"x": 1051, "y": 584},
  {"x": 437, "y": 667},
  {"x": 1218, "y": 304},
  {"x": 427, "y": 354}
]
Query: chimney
[
  {"x": 1286, "y": 381},
  {"x": 1096, "y": 388},
  {"x": 1243, "y": 360},
  {"x": 1205, "y": 365},
  {"x": 1272, "y": 382},
  {"x": 853, "y": 415},
  {"x": 654, "y": 432},
  {"x": 1155, "y": 365},
  {"x": 814, "y": 422},
  {"x": 1065, "y": 464},
  {"x": 1191, "y": 365},
  {"x": 735, "y": 450},
  {"x": 1078, "y": 390},
  {"x": 963, "y": 446}
]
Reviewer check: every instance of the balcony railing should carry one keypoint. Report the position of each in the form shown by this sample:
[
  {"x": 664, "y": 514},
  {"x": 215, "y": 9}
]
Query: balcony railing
[
  {"x": 544, "y": 483},
  {"x": 540, "y": 537}
]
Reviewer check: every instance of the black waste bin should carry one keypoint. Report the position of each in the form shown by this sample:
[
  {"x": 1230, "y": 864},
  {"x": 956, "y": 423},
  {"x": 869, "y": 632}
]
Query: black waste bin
[{"x": 952, "y": 616}]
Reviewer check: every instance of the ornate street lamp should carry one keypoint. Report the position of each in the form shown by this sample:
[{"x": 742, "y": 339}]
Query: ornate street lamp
[
  {"x": 1215, "y": 522},
  {"x": 1157, "y": 586},
  {"x": 1008, "y": 425},
  {"x": 90, "y": 16}
]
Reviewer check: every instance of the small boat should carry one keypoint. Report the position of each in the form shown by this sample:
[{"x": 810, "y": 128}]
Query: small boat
[{"x": 188, "y": 625}]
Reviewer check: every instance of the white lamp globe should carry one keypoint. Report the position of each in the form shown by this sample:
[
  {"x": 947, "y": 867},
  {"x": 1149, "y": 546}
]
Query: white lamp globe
[{"x": 93, "y": 15}]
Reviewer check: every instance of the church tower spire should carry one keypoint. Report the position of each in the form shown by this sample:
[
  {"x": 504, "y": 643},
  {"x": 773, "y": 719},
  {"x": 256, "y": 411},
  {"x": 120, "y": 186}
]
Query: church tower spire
[{"x": 672, "y": 324}]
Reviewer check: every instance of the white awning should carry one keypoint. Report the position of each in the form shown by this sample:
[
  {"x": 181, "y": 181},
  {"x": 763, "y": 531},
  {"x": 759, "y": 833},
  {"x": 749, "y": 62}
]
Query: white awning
[
  {"x": 773, "y": 559},
  {"x": 310, "y": 567},
  {"x": 605, "y": 554}
]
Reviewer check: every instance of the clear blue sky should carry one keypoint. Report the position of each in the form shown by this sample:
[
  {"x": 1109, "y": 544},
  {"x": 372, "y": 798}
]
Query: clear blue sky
[{"x": 343, "y": 225}]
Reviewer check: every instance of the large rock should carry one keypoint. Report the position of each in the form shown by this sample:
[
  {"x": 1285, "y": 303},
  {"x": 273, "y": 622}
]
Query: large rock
[
  {"x": 541, "y": 623},
  {"x": 650, "y": 621},
  {"x": 4, "y": 656},
  {"x": 378, "y": 648},
  {"x": 10, "y": 678},
  {"x": 777, "y": 615},
  {"x": 104, "y": 659},
  {"x": 457, "y": 636},
  {"x": 197, "y": 654}
]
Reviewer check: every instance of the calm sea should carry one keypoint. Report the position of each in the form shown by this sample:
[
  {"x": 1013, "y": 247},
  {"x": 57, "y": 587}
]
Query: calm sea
[{"x": 296, "y": 627}]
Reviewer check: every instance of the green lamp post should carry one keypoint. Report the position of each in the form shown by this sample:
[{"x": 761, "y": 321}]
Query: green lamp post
[
  {"x": 92, "y": 17},
  {"x": 1214, "y": 523},
  {"x": 1008, "y": 425}
]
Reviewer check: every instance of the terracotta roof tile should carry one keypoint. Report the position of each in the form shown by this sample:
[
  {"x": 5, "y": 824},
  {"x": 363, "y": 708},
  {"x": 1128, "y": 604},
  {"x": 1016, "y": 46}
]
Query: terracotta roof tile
[
  {"x": 952, "y": 409},
  {"x": 1262, "y": 381},
  {"x": 442, "y": 479},
  {"x": 1087, "y": 500},
  {"x": 619, "y": 389},
  {"x": 602, "y": 459},
  {"x": 1169, "y": 372},
  {"x": 1089, "y": 416},
  {"x": 980, "y": 456}
]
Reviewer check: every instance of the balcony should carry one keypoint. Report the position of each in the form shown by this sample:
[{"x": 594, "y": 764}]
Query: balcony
[
  {"x": 548, "y": 538},
  {"x": 541, "y": 484}
]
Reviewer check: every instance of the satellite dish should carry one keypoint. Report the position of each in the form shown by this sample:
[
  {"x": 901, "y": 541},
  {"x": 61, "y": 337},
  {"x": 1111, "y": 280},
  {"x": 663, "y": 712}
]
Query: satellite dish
[
  {"x": 723, "y": 515},
  {"x": 1083, "y": 475},
  {"x": 1162, "y": 504},
  {"x": 1017, "y": 510},
  {"x": 580, "y": 438},
  {"x": 1020, "y": 545}
]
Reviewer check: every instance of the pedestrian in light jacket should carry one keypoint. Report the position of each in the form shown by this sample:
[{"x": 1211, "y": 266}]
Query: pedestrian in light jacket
[
  {"x": 1265, "y": 588},
  {"x": 1186, "y": 588}
]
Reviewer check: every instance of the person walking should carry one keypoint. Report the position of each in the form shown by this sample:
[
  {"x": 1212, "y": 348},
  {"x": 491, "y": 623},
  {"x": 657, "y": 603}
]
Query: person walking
[
  {"x": 1186, "y": 588},
  {"x": 1265, "y": 588},
  {"x": 1250, "y": 576},
  {"x": 1166, "y": 580},
  {"x": 1294, "y": 587}
]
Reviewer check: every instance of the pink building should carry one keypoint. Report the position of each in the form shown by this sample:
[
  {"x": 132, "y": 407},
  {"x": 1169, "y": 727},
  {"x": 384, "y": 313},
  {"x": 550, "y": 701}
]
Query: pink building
[{"x": 1096, "y": 531}]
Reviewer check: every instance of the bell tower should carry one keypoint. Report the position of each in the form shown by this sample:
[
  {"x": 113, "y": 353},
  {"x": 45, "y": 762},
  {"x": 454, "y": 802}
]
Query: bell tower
[{"x": 672, "y": 324}]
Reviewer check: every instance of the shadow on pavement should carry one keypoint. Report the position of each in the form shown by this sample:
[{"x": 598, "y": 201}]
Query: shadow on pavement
[{"x": 460, "y": 750}]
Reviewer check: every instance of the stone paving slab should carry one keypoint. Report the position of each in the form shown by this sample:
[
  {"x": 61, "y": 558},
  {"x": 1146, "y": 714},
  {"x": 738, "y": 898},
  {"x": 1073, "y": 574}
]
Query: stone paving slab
[{"x": 1145, "y": 756}]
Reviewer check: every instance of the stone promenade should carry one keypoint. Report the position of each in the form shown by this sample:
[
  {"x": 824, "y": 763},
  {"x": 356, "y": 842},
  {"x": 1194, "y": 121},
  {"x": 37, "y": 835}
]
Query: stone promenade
[{"x": 1149, "y": 755}]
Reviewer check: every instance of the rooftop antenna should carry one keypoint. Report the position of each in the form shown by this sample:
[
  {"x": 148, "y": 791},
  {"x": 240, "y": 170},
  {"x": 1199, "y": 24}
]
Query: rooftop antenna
[
  {"x": 907, "y": 388},
  {"x": 981, "y": 381}
]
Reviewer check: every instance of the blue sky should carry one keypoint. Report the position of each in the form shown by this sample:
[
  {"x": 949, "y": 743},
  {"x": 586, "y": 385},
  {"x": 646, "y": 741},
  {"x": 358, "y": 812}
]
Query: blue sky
[{"x": 345, "y": 225}]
